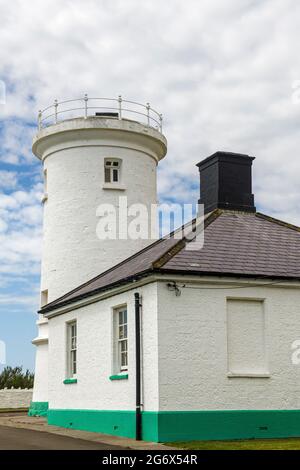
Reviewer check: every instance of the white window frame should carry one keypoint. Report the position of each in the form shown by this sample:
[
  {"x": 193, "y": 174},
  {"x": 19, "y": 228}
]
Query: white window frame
[
  {"x": 121, "y": 339},
  {"x": 71, "y": 349},
  {"x": 112, "y": 171}
]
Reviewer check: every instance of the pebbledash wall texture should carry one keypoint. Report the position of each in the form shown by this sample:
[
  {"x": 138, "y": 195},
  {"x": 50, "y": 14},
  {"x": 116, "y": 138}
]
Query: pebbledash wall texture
[{"x": 190, "y": 390}]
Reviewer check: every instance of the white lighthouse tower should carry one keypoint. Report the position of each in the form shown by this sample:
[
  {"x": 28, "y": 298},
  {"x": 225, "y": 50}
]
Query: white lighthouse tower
[{"x": 93, "y": 151}]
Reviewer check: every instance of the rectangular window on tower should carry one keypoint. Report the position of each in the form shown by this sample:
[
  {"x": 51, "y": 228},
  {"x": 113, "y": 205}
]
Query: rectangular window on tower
[
  {"x": 112, "y": 171},
  {"x": 72, "y": 349},
  {"x": 120, "y": 340}
]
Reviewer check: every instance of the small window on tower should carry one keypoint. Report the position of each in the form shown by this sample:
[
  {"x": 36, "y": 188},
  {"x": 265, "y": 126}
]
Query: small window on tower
[{"x": 112, "y": 171}]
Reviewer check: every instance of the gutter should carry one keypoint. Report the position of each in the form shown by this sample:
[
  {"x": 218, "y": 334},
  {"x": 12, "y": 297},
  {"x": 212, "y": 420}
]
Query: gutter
[{"x": 167, "y": 276}]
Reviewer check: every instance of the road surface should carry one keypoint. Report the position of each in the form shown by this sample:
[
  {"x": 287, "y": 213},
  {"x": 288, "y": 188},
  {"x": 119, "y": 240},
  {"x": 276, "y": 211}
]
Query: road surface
[{"x": 26, "y": 439}]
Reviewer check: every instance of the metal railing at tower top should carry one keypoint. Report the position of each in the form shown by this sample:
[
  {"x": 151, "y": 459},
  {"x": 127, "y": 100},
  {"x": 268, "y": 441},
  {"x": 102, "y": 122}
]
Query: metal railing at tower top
[{"x": 86, "y": 107}]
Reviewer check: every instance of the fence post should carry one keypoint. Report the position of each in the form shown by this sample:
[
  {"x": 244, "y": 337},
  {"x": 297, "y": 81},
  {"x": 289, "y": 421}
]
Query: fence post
[
  {"x": 40, "y": 120},
  {"x": 120, "y": 106},
  {"x": 148, "y": 114},
  {"x": 55, "y": 110},
  {"x": 86, "y": 106}
]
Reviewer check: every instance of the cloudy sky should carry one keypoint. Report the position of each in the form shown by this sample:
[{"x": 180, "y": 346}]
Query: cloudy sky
[{"x": 223, "y": 73}]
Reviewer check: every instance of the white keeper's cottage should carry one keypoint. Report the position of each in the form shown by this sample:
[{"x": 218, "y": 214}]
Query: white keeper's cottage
[{"x": 152, "y": 339}]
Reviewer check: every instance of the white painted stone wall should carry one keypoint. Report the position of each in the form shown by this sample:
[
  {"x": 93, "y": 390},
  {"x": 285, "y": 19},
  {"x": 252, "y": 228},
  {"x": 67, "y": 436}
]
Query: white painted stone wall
[
  {"x": 185, "y": 360},
  {"x": 192, "y": 339},
  {"x": 15, "y": 398},
  {"x": 73, "y": 154},
  {"x": 94, "y": 390}
]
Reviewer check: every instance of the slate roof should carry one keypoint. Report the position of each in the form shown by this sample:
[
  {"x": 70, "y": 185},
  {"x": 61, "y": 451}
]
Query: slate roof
[{"x": 235, "y": 244}]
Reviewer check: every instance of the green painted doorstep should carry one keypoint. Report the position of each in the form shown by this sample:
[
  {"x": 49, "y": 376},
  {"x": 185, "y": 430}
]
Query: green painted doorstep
[
  {"x": 172, "y": 426},
  {"x": 119, "y": 377},
  {"x": 38, "y": 408},
  {"x": 70, "y": 381}
]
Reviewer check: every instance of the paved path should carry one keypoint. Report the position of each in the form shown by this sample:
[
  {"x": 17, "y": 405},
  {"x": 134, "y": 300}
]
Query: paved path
[{"x": 26, "y": 439}]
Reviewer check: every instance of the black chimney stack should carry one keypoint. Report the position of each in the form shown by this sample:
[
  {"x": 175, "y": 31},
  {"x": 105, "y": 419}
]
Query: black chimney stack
[{"x": 226, "y": 182}]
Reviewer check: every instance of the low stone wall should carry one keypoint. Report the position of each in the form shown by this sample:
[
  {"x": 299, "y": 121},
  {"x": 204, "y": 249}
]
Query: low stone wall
[{"x": 15, "y": 398}]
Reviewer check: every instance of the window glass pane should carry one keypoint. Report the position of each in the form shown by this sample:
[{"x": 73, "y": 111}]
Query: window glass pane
[
  {"x": 107, "y": 175},
  {"x": 115, "y": 163},
  {"x": 107, "y": 163},
  {"x": 74, "y": 362},
  {"x": 124, "y": 359},
  {"x": 125, "y": 316},
  {"x": 115, "y": 175}
]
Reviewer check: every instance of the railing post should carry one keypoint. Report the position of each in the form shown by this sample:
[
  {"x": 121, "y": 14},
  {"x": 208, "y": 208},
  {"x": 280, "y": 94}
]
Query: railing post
[
  {"x": 160, "y": 121},
  {"x": 40, "y": 120},
  {"x": 55, "y": 110},
  {"x": 86, "y": 106},
  {"x": 120, "y": 106},
  {"x": 148, "y": 114}
]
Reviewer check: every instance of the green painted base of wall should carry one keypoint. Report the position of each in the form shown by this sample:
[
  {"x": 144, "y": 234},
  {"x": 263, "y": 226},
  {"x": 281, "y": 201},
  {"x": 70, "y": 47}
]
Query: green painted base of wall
[
  {"x": 168, "y": 426},
  {"x": 38, "y": 408},
  {"x": 118, "y": 423}
]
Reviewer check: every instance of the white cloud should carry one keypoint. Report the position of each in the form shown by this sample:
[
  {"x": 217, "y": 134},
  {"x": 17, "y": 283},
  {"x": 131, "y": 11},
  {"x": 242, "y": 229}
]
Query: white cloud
[
  {"x": 20, "y": 232},
  {"x": 8, "y": 179},
  {"x": 23, "y": 300},
  {"x": 16, "y": 139},
  {"x": 220, "y": 71}
]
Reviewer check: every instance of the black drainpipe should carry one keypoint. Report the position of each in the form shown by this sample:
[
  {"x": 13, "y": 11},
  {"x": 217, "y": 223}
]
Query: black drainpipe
[{"x": 138, "y": 416}]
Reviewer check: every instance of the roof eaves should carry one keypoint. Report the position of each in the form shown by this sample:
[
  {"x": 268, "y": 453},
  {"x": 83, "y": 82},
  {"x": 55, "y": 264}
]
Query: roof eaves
[{"x": 130, "y": 279}]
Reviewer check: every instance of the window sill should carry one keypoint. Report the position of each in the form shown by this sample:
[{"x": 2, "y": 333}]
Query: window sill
[
  {"x": 70, "y": 381},
  {"x": 262, "y": 375},
  {"x": 116, "y": 186},
  {"x": 119, "y": 377}
]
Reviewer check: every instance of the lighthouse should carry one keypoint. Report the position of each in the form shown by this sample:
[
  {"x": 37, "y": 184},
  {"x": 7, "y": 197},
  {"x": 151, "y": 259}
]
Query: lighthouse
[{"x": 94, "y": 151}]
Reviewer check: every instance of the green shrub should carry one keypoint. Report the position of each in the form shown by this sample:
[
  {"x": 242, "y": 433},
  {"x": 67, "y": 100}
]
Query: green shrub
[{"x": 16, "y": 378}]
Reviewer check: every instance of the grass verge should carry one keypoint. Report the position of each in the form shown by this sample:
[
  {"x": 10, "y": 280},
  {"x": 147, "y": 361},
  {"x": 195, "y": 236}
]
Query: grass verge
[{"x": 252, "y": 444}]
